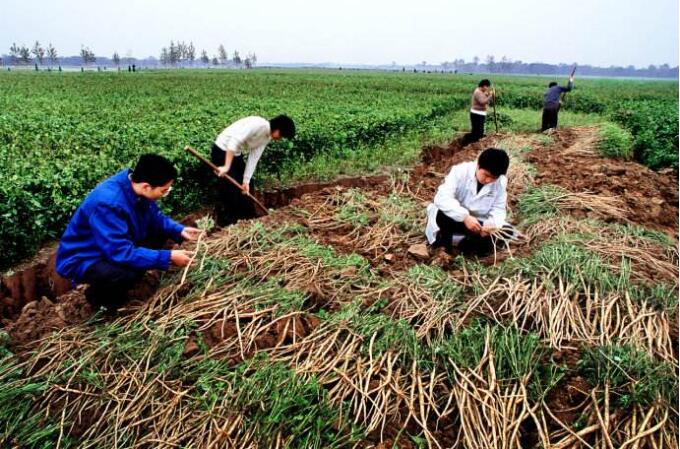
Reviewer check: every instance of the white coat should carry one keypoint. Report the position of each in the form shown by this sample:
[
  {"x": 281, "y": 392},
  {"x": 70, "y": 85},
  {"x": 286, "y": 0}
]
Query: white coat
[{"x": 457, "y": 197}]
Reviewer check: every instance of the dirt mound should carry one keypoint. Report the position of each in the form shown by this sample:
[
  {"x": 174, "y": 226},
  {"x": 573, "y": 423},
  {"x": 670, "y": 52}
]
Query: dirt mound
[
  {"x": 42, "y": 317},
  {"x": 573, "y": 163},
  {"x": 39, "y": 318}
]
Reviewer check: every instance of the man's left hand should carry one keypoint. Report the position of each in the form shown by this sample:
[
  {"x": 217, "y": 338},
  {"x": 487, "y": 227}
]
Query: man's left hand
[
  {"x": 486, "y": 231},
  {"x": 245, "y": 187},
  {"x": 192, "y": 234}
]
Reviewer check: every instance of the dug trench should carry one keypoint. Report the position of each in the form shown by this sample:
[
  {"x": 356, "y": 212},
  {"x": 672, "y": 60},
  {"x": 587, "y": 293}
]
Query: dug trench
[{"x": 35, "y": 300}]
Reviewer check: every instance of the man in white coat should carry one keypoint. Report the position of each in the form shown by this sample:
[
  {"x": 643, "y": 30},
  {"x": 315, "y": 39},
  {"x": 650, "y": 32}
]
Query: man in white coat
[
  {"x": 248, "y": 135},
  {"x": 470, "y": 204}
]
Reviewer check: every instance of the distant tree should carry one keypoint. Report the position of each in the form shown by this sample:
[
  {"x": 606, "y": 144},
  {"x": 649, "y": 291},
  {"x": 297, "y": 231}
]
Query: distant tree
[
  {"x": 39, "y": 52},
  {"x": 182, "y": 52},
  {"x": 24, "y": 55},
  {"x": 52, "y": 53},
  {"x": 14, "y": 53},
  {"x": 87, "y": 55},
  {"x": 116, "y": 59},
  {"x": 505, "y": 64},
  {"x": 165, "y": 56},
  {"x": 491, "y": 63},
  {"x": 222, "y": 54},
  {"x": 191, "y": 53},
  {"x": 204, "y": 57},
  {"x": 237, "y": 58},
  {"x": 250, "y": 60},
  {"x": 475, "y": 60},
  {"x": 173, "y": 53},
  {"x": 215, "y": 61}
]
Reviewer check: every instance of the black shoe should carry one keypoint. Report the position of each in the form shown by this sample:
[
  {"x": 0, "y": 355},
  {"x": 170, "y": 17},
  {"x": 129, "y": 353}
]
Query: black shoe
[
  {"x": 440, "y": 243},
  {"x": 471, "y": 246}
]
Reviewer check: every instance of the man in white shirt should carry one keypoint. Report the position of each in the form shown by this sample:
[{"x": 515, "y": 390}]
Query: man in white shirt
[
  {"x": 471, "y": 203},
  {"x": 248, "y": 135}
]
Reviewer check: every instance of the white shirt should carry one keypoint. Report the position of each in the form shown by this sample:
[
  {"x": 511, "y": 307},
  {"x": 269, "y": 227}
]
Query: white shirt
[
  {"x": 251, "y": 134},
  {"x": 457, "y": 197}
]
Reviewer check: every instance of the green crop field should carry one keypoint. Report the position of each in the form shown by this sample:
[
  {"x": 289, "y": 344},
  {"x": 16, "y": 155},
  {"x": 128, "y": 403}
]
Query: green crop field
[
  {"x": 318, "y": 326},
  {"x": 62, "y": 133}
]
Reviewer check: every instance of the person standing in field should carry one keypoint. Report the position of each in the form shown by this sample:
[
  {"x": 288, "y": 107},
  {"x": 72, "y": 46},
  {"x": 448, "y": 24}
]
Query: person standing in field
[
  {"x": 114, "y": 236},
  {"x": 552, "y": 103},
  {"x": 251, "y": 135},
  {"x": 471, "y": 204},
  {"x": 481, "y": 98}
]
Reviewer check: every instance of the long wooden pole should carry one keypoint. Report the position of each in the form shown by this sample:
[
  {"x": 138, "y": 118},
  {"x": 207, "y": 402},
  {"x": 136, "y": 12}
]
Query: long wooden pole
[
  {"x": 573, "y": 71},
  {"x": 209, "y": 163},
  {"x": 495, "y": 117}
]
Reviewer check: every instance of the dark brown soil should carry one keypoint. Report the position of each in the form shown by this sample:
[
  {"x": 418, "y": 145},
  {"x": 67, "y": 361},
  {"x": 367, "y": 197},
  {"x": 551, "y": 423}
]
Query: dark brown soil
[
  {"x": 39, "y": 318},
  {"x": 651, "y": 197}
]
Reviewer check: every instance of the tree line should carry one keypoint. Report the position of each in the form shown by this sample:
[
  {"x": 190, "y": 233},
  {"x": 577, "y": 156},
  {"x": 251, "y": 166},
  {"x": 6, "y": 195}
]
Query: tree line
[
  {"x": 177, "y": 53},
  {"x": 180, "y": 53},
  {"x": 506, "y": 65}
]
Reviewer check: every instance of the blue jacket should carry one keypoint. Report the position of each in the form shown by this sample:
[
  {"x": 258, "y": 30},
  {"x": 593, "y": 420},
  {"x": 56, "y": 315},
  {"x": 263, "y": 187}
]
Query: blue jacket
[
  {"x": 109, "y": 225},
  {"x": 551, "y": 96}
]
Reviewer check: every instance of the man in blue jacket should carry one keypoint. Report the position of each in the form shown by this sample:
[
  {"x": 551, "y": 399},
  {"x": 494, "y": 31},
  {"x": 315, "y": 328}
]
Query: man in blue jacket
[
  {"x": 106, "y": 244},
  {"x": 551, "y": 103}
]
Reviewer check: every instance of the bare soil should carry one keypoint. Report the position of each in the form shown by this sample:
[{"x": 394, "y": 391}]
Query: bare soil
[{"x": 651, "y": 197}]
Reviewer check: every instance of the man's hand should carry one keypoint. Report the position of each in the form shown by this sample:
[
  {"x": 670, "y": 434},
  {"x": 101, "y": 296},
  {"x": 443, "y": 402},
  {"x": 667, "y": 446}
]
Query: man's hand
[
  {"x": 487, "y": 231},
  {"x": 571, "y": 79},
  {"x": 192, "y": 234},
  {"x": 180, "y": 257},
  {"x": 223, "y": 170},
  {"x": 245, "y": 187},
  {"x": 472, "y": 224}
]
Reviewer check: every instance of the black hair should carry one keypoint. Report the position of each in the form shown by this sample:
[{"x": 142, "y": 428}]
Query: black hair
[
  {"x": 552, "y": 84},
  {"x": 154, "y": 169},
  {"x": 484, "y": 82},
  {"x": 495, "y": 161},
  {"x": 284, "y": 124}
]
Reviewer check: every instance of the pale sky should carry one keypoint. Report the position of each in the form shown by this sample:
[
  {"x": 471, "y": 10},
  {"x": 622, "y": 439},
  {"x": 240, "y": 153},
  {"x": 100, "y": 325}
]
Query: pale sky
[{"x": 597, "y": 32}]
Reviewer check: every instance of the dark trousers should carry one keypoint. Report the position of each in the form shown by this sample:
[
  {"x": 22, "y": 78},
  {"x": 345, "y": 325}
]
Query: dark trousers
[
  {"x": 477, "y": 132},
  {"x": 550, "y": 117},
  {"x": 109, "y": 284},
  {"x": 233, "y": 204},
  {"x": 471, "y": 244}
]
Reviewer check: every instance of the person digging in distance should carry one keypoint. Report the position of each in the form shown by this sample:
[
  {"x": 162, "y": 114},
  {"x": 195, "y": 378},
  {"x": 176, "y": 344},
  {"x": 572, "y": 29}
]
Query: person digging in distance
[
  {"x": 471, "y": 203},
  {"x": 115, "y": 234},
  {"x": 552, "y": 103},
  {"x": 251, "y": 134},
  {"x": 481, "y": 98}
]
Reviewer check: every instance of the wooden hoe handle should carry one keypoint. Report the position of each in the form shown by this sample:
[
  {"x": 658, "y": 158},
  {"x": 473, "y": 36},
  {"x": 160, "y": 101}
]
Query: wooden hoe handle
[{"x": 214, "y": 168}]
